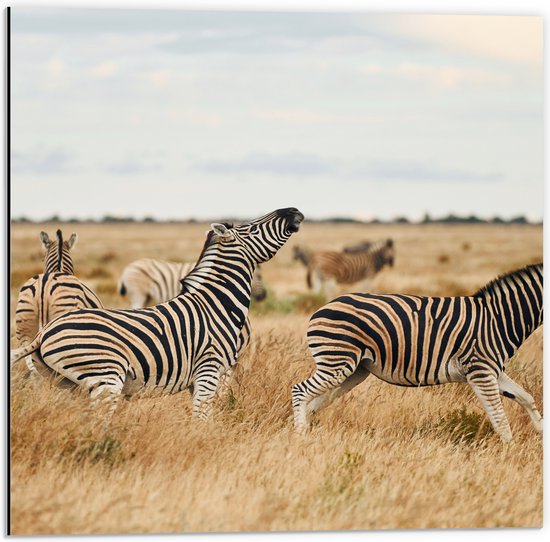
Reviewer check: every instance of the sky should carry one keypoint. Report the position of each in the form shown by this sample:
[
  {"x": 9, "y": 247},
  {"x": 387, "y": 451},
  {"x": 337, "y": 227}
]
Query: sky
[{"x": 176, "y": 114}]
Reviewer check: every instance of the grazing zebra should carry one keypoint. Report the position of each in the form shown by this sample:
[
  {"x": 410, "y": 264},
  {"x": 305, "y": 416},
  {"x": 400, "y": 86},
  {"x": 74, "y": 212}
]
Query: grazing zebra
[
  {"x": 187, "y": 342},
  {"x": 326, "y": 268},
  {"x": 149, "y": 282},
  {"x": 421, "y": 341},
  {"x": 44, "y": 297}
]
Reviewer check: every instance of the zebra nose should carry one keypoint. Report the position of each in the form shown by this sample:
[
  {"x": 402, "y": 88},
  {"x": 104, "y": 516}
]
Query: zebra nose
[{"x": 293, "y": 217}]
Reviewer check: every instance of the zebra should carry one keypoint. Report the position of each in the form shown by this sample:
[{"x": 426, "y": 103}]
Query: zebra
[
  {"x": 149, "y": 282},
  {"x": 422, "y": 341},
  {"x": 325, "y": 268},
  {"x": 359, "y": 247},
  {"x": 188, "y": 342},
  {"x": 57, "y": 258},
  {"x": 45, "y": 296},
  {"x": 302, "y": 254}
]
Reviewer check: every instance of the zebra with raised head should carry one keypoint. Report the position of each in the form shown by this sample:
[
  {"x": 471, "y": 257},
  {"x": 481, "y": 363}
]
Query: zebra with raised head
[
  {"x": 187, "y": 342},
  {"x": 149, "y": 282},
  {"x": 45, "y": 296},
  {"x": 421, "y": 341},
  {"x": 325, "y": 269}
]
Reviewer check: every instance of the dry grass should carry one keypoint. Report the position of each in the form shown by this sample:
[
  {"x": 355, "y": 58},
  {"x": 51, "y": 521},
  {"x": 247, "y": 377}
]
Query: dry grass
[{"x": 382, "y": 457}]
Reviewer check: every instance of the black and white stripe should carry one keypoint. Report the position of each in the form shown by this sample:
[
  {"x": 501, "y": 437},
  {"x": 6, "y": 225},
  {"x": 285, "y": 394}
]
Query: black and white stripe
[
  {"x": 148, "y": 281},
  {"x": 44, "y": 297},
  {"x": 421, "y": 341},
  {"x": 187, "y": 342},
  {"x": 325, "y": 269}
]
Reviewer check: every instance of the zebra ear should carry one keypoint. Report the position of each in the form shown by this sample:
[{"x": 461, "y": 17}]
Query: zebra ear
[
  {"x": 45, "y": 239},
  {"x": 72, "y": 240},
  {"x": 221, "y": 230}
]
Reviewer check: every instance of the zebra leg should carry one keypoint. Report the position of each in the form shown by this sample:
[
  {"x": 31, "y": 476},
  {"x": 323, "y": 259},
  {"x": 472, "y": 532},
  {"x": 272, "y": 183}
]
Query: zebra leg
[
  {"x": 318, "y": 283},
  {"x": 514, "y": 391},
  {"x": 329, "y": 289},
  {"x": 225, "y": 382},
  {"x": 329, "y": 396},
  {"x": 486, "y": 388},
  {"x": 323, "y": 381},
  {"x": 104, "y": 399},
  {"x": 204, "y": 392}
]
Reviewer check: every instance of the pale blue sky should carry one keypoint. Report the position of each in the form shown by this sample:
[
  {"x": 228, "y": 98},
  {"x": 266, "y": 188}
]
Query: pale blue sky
[{"x": 178, "y": 114}]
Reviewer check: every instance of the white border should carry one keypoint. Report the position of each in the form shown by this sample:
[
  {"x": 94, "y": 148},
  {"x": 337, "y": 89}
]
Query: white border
[{"x": 495, "y": 7}]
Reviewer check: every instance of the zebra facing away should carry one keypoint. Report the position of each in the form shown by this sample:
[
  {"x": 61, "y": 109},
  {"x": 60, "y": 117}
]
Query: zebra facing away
[
  {"x": 187, "y": 342},
  {"x": 44, "y": 297},
  {"x": 325, "y": 269},
  {"x": 149, "y": 282},
  {"x": 421, "y": 341}
]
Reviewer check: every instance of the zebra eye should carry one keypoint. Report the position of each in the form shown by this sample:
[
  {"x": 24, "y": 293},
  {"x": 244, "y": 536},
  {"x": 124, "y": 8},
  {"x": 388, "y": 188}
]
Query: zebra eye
[{"x": 253, "y": 228}]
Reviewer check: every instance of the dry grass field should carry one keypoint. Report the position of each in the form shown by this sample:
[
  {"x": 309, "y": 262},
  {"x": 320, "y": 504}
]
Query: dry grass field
[{"x": 382, "y": 457}]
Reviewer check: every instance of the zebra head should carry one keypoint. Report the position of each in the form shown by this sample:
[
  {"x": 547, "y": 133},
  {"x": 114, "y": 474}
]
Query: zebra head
[
  {"x": 57, "y": 257},
  {"x": 263, "y": 237},
  {"x": 389, "y": 253}
]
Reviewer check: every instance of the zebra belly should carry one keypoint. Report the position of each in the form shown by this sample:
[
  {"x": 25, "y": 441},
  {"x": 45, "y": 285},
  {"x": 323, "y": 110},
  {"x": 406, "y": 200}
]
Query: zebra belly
[{"x": 450, "y": 371}]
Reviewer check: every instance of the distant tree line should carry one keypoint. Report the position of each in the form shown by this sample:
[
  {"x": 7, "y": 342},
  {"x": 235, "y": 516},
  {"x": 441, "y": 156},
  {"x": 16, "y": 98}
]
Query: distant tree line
[{"x": 427, "y": 219}]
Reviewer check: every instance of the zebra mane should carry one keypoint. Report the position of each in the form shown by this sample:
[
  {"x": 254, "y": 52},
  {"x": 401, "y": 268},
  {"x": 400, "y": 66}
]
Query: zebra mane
[
  {"x": 207, "y": 244},
  {"x": 506, "y": 278}
]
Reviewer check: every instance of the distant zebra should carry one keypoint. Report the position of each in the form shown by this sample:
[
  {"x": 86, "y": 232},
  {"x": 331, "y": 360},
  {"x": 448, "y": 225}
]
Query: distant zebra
[
  {"x": 149, "y": 282},
  {"x": 326, "y": 268},
  {"x": 187, "y": 342},
  {"x": 44, "y": 297},
  {"x": 421, "y": 341},
  {"x": 359, "y": 247}
]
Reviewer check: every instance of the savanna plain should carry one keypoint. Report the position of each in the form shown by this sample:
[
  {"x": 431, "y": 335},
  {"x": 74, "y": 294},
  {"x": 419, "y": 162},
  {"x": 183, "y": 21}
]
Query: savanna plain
[{"x": 381, "y": 457}]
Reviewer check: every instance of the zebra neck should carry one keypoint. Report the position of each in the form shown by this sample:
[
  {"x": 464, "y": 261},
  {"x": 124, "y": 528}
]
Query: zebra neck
[
  {"x": 226, "y": 280},
  {"x": 518, "y": 313}
]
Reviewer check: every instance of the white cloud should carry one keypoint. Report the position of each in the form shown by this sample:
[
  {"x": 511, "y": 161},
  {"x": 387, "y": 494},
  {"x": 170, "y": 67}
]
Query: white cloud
[
  {"x": 370, "y": 69},
  {"x": 55, "y": 66},
  {"x": 159, "y": 78},
  {"x": 104, "y": 70},
  {"x": 449, "y": 77},
  {"x": 509, "y": 38}
]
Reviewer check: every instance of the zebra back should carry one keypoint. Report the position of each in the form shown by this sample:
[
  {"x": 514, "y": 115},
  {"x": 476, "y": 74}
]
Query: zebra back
[
  {"x": 149, "y": 281},
  {"x": 58, "y": 258},
  {"x": 45, "y": 297},
  {"x": 359, "y": 247}
]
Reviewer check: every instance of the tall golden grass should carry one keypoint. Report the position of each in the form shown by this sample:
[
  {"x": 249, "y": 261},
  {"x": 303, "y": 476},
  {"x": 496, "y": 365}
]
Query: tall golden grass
[{"x": 381, "y": 457}]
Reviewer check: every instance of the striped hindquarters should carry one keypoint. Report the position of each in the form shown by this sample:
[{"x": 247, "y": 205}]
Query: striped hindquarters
[{"x": 47, "y": 296}]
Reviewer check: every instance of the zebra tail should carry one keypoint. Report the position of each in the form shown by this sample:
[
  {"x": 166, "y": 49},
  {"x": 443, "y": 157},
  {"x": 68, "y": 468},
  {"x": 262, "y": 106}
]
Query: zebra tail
[
  {"x": 122, "y": 288},
  {"x": 20, "y": 353},
  {"x": 308, "y": 277}
]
